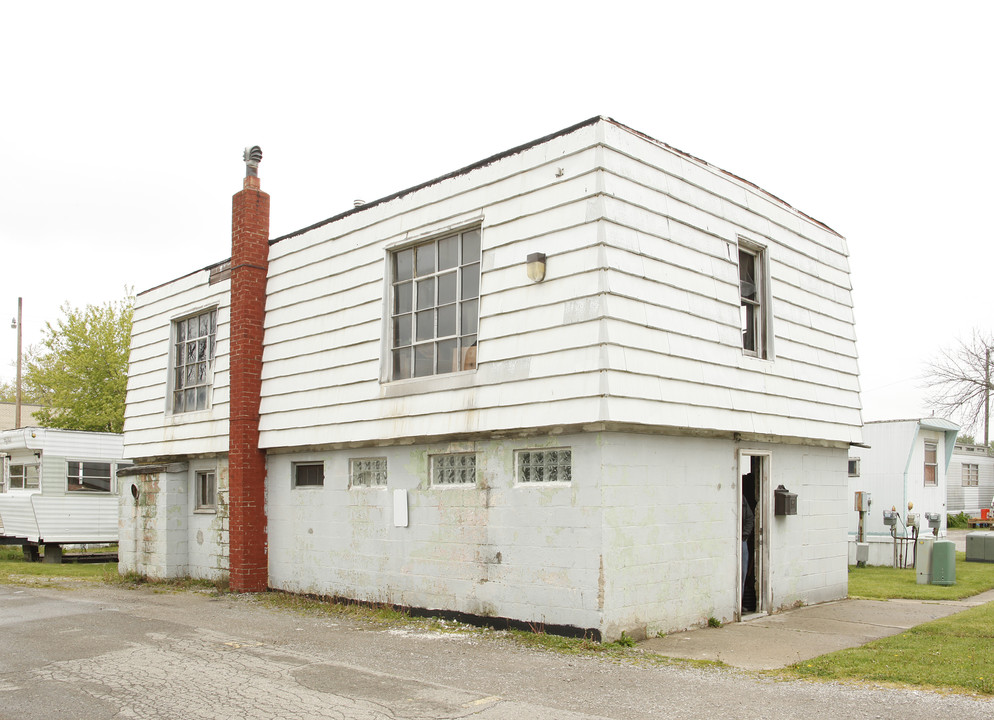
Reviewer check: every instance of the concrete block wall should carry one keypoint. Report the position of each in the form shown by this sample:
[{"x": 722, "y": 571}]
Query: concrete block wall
[
  {"x": 153, "y": 538},
  {"x": 207, "y": 536}
]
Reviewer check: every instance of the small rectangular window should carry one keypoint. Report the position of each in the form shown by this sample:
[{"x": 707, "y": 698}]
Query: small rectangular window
[
  {"x": 453, "y": 469},
  {"x": 544, "y": 466},
  {"x": 754, "y": 300},
  {"x": 206, "y": 490},
  {"x": 88, "y": 476},
  {"x": 931, "y": 464},
  {"x": 853, "y": 467},
  {"x": 367, "y": 472},
  {"x": 24, "y": 477},
  {"x": 308, "y": 474},
  {"x": 971, "y": 475}
]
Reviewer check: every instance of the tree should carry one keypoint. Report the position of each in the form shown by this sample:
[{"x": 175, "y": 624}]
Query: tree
[
  {"x": 79, "y": 372},
  {"x": 959, "y": 383}
]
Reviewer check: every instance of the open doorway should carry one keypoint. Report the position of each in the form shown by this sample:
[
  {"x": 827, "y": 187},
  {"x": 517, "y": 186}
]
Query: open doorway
[{"x": 753, "y": 516}]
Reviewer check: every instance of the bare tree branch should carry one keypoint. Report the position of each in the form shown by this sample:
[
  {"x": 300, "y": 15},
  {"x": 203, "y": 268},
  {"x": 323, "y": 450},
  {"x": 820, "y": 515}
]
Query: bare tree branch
[{"x": 959, "y": 382}]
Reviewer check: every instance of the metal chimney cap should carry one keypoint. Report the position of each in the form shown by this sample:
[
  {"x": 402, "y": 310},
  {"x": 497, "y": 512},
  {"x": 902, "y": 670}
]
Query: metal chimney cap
[{"x": 252, "y": 157}]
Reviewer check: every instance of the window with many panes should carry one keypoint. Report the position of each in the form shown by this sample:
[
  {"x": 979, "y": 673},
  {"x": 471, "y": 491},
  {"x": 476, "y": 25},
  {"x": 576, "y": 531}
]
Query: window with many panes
[
  {"x": 88, "y": 476},
  {"x": 367, "y": 472},
  {"x": 453, "y": 469},
  {"x": 543, "y": 466},
  {"x": 931, "y": 464},
  {"x": 308, "y": 474},
  {"x": 753, "y": 298},
  {"x": 193, "y": 359},
  {"x": 205, "y": 490},
  {"x": 971, "y": 475},
  {"x": 435, "y": 306},
  {"x": 23, "y": 477}
]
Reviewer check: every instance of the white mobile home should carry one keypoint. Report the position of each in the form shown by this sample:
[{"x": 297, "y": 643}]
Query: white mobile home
[
  {"x": 970, "y": 480},
  {"x": 538, "y": 388},
  {"x": 59, "y": 486},
  {"x": 907, "y": 461}
]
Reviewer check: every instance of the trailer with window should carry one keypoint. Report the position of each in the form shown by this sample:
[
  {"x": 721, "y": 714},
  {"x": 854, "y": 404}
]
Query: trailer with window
[{"x": 58, "y": 487}]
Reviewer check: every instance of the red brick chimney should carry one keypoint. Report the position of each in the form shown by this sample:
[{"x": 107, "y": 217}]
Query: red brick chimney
[{"x": 247, "y": 541}]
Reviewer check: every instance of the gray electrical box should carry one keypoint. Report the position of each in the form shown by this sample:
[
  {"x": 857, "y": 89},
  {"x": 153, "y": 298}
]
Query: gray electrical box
[
  {"x": 862, "y": 501},
  {"x": 890, "y": 517},
  {"x": 934, "y": 520}
]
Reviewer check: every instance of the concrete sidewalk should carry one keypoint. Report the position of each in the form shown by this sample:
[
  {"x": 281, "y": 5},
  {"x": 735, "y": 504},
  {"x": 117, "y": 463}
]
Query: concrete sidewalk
[{"x": 766, "y": 642}]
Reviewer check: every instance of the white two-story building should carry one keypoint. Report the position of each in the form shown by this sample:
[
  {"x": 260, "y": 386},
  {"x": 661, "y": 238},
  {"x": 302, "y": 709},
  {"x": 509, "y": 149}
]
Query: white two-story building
[{"x": 539, "y": 388}]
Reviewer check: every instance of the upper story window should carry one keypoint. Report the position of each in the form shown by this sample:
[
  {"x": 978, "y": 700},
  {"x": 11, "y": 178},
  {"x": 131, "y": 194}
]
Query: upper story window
[
  {"x": 435, "y": 306},
  {"x": 193, "y": 359},
  {"x": 754, "y": 300},
  {"x": 931, "y": 464},
  {"x": 88, "y": 476},
  {"x": 971, "y": 475}
]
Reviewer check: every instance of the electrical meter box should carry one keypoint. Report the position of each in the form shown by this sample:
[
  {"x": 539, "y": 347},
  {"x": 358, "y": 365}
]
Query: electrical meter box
[
  {"x": 912, "y": 519},
  {"x": 784, "y": 501},
  {"x": 890, "y": 517},
  {"x": 934, "y": 520},
  {"x": 862, "y": 501}
]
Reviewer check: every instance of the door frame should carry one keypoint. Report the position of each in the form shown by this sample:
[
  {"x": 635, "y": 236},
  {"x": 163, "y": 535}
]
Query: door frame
[{"x": 761, "y": 531}]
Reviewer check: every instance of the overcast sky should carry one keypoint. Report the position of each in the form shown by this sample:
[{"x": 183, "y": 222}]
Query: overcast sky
[{"x": 123, "y": 126}]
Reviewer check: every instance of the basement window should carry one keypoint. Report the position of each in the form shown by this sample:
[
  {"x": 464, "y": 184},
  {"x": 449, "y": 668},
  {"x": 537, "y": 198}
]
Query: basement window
[
  {"x": 453, "y": 469},
  {"x": 205, "y": 491},
  {"x": 367, "y": 472},
  {"x": 435, "y": 306},
  {"x": 308, "y": 474},
  {"x": 544, "y": 466}
]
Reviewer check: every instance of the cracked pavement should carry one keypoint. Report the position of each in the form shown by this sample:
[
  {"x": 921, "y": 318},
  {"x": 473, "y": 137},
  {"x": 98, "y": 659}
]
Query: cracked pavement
[{"x": 101, "y": 651}]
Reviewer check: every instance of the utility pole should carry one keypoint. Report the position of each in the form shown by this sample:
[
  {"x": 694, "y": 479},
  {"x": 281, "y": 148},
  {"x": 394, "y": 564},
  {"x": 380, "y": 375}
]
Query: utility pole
[
  {"x": 987, "y": 398},
  {"x": 17, "y": 407}
]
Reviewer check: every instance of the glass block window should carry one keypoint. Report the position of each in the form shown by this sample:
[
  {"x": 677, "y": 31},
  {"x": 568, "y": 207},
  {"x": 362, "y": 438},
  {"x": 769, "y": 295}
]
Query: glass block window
[
  {"x": 205, "y": 490},
  {"x": 543, "y": 466},
  {"x": 193, "y": 357},
  {"x": 453, "y": 469},
  {"x": 435, "y": 306},
  {"x": 308, "y": 474},
  {"x": 367, "y": 472},
  {"x": 23, "y": 477},
  {"x": 88, "y": 476}
]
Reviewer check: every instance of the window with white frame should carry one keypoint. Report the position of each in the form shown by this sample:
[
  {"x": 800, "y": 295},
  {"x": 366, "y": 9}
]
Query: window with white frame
[
  {"x": 308, "y": 474},
  {"x": 23, "y": 477},
  {"x": 853, "y": 467},
  {"x": 84, "y": 476},
  {"x": 545, "y": 465},
  {"x": 205, "y": 490},
  {"x": 453, "y": 469},
  {"x": 754, "y": 299},
  {"x": 193, "y": 360},
  {"x": 971, "y": 475},
  {"x": 435, "y": 306},
  {"x": 931, "y": 464},
  {"x": 367, "y": 472}
]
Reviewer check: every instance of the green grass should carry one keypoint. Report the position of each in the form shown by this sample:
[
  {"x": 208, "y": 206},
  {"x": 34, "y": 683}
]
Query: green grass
[
  {"x": 15, "y": 571},
  {"x": 956, "y": 652},
  {"x": 885, "y": 583}
]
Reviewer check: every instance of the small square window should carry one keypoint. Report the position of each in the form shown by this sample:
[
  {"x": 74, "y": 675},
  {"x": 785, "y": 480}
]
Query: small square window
[
  {"x": 23, "y": 477},
  {"x": 308, "y": 474},
  {"x": 205, "y": 490},
  {"x": 853, "y": 467},
  {"x": 453, "y": 469},
  {"x": 545, "y": 466},
  {"x": 367, "y": 472}
]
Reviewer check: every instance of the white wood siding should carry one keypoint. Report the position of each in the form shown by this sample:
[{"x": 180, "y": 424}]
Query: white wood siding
[{"x": 149, "y": 429}]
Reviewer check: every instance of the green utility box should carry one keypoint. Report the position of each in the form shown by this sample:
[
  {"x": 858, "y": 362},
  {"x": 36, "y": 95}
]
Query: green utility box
[
  {"x": 976, "y": 546},
  {"x": 944, "y": 563}
]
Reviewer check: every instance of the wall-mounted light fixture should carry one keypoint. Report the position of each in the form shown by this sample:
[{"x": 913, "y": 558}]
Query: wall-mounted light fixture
[{"x": 536, "y": 267}]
